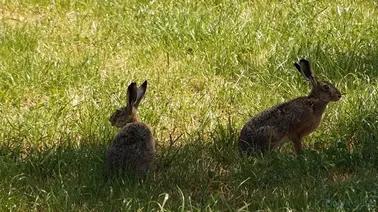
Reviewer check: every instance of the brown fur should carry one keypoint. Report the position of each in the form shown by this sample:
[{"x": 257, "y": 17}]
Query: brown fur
[
  {"x": 134, "y": 146},
  {"x": 289, "y": 121}
]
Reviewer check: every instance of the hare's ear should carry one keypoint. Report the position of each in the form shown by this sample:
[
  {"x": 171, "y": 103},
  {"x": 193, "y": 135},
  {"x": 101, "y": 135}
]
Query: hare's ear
[
  {"x": 306, "y": 70},
  {"x": 131, "y": 96},
  {"x": 140, "y": 93},
  {"x": 298, "y": 67}
]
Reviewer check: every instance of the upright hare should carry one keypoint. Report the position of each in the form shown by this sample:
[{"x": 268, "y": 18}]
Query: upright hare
[{"x": 289, "y": 121}]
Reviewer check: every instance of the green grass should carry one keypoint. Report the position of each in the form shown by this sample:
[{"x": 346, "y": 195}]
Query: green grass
[{"x": 211, "y": 65}]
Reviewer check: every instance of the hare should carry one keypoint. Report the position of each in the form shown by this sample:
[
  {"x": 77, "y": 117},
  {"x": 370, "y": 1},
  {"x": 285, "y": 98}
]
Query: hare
[
  {"x": 289, "y": 121},
  {"x": 133, "y": 147}
]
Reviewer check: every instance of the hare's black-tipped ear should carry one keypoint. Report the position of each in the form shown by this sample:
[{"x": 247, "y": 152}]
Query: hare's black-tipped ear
[
  {"x": 131, "y": 95},
  {"x": 298, "y": 67},
  {"x": 305, "y": 69},
  {"x": 140, "y": 93}
]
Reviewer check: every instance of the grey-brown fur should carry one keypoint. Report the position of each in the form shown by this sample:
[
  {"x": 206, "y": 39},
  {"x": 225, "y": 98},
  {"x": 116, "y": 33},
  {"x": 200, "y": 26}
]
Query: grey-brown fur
[
  {"x": 133, "y": 147},
  {"x": 289, "y": 121}
]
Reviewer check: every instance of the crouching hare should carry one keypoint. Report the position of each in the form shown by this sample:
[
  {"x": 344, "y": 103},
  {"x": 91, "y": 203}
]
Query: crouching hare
[
  {"x": 133, "y": 147},
  {"x": 289, "y": 121}
]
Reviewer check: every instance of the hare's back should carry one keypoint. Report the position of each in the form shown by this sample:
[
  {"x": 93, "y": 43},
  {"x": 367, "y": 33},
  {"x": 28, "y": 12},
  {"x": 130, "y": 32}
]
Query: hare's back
[
  {"x": 133, "y": 144},
  {"x": 135, "y": 133},
  {"x": 283, "y": 116}
]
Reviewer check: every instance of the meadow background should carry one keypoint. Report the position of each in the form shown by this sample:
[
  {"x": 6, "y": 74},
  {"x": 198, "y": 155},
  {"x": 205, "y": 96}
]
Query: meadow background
[{"x": 211, "y": 65}]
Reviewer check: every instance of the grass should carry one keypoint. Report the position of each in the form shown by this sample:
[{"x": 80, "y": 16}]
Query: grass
[{"x": 211, "y": 65}]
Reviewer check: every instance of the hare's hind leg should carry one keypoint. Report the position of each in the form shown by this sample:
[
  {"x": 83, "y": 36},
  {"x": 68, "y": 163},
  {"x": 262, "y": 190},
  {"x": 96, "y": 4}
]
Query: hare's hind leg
[
  {"x": 268, "y": 137},
  {"x": 142, "y": 168},
  {"x": 113, "y": 162},
  {"x": 261, "y": 140}
]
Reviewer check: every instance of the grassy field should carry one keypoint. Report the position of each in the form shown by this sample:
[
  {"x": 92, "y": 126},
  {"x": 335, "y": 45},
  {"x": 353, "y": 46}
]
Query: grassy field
[{"x": 211, "y": 65}]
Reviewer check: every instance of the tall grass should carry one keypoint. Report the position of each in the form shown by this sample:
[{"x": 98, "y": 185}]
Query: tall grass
[{"x": 211, "y": 65}]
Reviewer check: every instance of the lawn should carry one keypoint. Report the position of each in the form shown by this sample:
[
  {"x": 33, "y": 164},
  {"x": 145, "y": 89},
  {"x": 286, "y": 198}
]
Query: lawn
[{"x": 211, "y": 65}]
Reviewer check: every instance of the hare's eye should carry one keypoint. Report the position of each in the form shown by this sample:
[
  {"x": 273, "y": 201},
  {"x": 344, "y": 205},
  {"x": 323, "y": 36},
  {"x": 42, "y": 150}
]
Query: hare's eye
[{"x": 325, "y": 87}]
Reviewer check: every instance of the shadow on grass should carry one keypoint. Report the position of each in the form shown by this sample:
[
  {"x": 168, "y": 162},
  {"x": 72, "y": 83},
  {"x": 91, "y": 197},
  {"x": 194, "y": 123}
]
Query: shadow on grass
[{"x": 204, "y": 171}]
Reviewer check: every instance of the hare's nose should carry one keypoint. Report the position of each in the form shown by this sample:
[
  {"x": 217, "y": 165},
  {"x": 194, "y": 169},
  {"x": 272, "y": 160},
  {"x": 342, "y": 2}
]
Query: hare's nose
[{"x": 339, "y": 96}]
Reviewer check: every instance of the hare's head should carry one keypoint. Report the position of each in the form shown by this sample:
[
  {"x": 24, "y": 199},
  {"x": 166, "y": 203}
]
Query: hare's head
[
  {"x": 128, "y": 114},
  {"x": 320, "y": 89}
]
